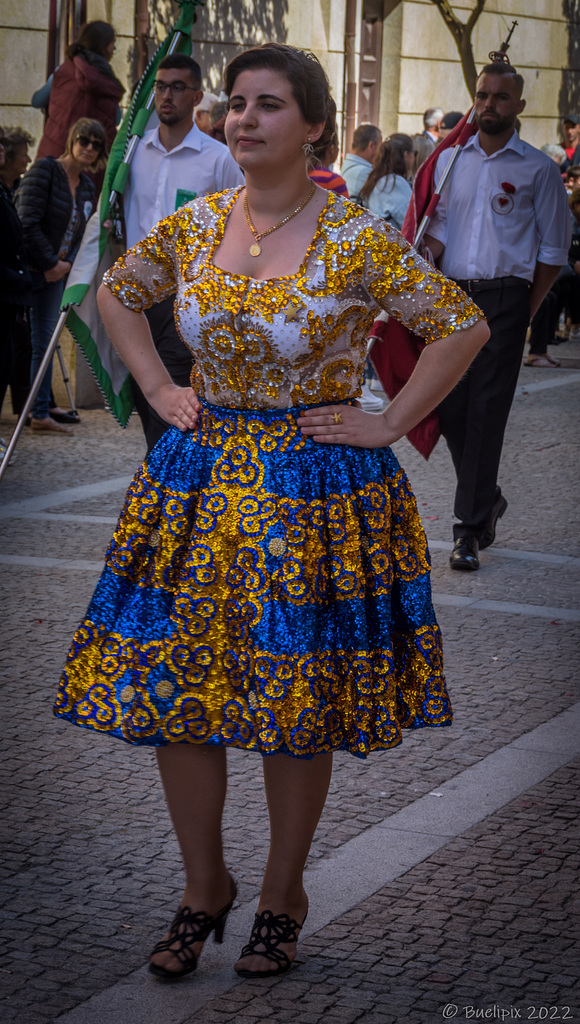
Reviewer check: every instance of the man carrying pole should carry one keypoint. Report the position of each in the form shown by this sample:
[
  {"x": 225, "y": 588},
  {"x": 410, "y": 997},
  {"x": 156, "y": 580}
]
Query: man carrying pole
[{"x": 501, "y": 230}]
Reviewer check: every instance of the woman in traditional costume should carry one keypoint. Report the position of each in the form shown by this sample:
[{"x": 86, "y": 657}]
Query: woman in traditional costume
[{"x": 267, "y": 586}]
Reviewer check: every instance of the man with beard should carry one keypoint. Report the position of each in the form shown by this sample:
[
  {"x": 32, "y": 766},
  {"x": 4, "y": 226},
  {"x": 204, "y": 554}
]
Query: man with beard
[
  {"x": 502, "y": 231},
  {"x": 173, "y": 164}
]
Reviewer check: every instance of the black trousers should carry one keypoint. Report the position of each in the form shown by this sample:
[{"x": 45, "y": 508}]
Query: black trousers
[
  {"x": 8, "y": 314},
  {"x": 474, "y": 415},
  {"x": 174, "y": 355},
  {"x": 564, "y": 293},
  {"x": 20, "y": 381}
]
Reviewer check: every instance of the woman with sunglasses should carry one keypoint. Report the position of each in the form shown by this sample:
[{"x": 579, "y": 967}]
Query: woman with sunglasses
[
  {"x": 267, "y": 587},
  {"x": 54, "y": 201}
]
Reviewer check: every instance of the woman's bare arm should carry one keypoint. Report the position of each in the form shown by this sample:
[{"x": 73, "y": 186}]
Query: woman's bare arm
[{"x": 440, "y": 366}]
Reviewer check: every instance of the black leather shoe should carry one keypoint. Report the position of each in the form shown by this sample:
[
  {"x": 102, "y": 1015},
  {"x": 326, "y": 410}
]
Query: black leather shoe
[
  {"x": 498, "y": 508},
  {"x": 464, "y": 554}
]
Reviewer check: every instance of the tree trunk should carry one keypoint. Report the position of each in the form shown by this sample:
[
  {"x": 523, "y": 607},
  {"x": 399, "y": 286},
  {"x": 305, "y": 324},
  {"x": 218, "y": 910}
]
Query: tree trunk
[
  {"x": 462, "y": 33},
  {"x": 468, "y": 63}
]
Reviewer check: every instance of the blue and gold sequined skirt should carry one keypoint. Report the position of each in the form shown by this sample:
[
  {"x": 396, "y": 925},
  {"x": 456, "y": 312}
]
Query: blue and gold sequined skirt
[{"x": 261, "y": 591}]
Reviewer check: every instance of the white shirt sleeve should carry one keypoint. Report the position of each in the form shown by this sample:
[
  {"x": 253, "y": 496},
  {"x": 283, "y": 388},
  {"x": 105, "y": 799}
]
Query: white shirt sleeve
[
  {"x": 231, "y": 175},
  {"x": 552, "y": 217}
]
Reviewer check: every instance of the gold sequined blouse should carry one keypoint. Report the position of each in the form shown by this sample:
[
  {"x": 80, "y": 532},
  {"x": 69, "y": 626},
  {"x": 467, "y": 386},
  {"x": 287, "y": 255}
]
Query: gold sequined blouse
[{"x": 293, "y": 340}]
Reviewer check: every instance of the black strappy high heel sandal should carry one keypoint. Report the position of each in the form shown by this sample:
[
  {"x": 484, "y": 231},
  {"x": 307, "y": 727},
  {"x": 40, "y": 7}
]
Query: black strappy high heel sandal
[
  {"x": 186, "y": 929},
  {"x": 269, "y": 932}
]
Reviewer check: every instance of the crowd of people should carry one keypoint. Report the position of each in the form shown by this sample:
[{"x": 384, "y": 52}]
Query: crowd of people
[
  {"x": 376, "y": 173},
  {"x": 267, "y": 586}
]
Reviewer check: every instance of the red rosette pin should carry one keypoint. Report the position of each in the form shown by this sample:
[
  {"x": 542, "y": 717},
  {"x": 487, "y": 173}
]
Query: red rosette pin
[{"x": 503, "y": 202}]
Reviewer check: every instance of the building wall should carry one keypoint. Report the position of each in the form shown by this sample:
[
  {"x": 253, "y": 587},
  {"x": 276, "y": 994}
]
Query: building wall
[
  {"x": 23, "y": 42},
  {"x": 428, "y": 73},
  {"x": 420, "y": 66},
  {"x": 225, "y": 28},
  {"x": 23, "y": 54}
]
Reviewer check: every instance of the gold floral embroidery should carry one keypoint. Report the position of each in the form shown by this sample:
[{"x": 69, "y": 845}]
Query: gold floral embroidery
[{"x": 297, "y": 339}]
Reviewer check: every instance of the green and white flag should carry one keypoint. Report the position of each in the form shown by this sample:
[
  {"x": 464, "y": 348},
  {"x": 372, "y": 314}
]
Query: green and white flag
[{"x": 99, "y": 249}]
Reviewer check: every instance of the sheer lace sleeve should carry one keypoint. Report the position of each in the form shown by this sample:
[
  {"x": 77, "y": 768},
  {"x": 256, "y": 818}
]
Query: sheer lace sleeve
[
  {"x": 411, "y": 290},
  {"x": 147, "y": 273}
]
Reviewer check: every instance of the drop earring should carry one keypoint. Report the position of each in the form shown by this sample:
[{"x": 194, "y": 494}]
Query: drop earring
[{"x": 308, "y": 148}]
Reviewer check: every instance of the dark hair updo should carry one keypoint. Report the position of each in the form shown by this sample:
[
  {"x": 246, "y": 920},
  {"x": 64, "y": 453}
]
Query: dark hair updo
[
  {"x": 95, "y": 36},
  {"x": 303, "y": 70}
]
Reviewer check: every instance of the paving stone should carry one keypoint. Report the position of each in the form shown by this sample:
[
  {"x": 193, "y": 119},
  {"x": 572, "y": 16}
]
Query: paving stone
[{"x": 90, "y": 843}]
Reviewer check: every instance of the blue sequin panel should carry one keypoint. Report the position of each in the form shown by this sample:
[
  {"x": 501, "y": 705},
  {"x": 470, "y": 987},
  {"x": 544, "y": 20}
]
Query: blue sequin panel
[{"x": 264, "y": 592}]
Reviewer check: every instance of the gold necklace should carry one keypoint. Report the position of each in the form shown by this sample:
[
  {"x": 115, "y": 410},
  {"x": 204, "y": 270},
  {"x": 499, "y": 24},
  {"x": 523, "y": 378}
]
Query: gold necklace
[{"x": 256, "y": 248}]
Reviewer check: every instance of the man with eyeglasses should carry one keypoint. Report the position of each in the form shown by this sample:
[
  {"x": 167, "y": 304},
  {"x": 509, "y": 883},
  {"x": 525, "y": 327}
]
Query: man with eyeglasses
[{"x": 173, "y": 164}]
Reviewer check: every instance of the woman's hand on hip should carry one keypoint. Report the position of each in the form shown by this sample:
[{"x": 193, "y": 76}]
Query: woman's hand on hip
[
  {"x": 345, "y": 424},
  {"x": 178, "y": 406},
  {"x": 57, "y": 272}
]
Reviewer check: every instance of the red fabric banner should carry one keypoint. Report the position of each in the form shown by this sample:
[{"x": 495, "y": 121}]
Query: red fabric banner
[{"x": 396, "y": 350}]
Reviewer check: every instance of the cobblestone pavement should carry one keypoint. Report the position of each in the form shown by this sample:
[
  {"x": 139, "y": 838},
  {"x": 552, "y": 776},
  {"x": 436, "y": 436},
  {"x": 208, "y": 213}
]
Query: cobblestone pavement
[
  {"x": 488, "y": 921},
  {"x": 480, "y": 921}
]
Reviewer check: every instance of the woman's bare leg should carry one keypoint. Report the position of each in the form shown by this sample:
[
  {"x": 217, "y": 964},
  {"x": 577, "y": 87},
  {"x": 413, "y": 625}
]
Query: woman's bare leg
[
  {"x": 195, "y": 780},
  {"x": 296, "y": 792}
]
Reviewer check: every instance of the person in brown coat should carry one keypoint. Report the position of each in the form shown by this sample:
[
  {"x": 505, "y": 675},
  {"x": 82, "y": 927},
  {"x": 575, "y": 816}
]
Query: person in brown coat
[{"x": 83, "y": 86}]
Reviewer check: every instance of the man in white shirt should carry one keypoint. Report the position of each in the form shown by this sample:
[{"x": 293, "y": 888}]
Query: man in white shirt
[
  {"x": 502, "y": 231},
  {"x": 173, "y": 164}
]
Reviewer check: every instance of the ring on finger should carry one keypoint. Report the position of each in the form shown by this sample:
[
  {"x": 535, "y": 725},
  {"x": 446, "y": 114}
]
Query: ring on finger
[{"x": 337, "y": 417}]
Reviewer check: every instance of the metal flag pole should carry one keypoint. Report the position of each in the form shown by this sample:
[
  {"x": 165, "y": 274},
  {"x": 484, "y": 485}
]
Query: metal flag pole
[
  {"x": 429, "y": 212},
  {"x": 53, "y": 343},
  {"x": 65, "y": 377},
  {"x": 34, "y": 389}
]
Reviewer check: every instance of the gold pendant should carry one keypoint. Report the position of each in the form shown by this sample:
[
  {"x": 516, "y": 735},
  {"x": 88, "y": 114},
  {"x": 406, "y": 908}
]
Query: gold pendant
[{"x": 255, "y": 249}]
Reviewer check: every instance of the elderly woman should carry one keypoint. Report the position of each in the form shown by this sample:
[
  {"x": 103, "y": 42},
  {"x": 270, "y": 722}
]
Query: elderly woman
[
  {"x": 16, "y": 157},
  {"x": 267, "y": 587}
]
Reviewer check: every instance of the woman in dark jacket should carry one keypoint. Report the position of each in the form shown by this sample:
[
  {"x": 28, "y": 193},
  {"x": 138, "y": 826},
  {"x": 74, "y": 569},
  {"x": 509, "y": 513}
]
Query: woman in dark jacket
[
  {"x": 54, "y": 201},
  {"x": 14, "y": 280},
  {"x": 83, "y": 86}
]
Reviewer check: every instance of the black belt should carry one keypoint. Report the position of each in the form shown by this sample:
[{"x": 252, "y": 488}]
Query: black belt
[{"x": 483, "y": 284}]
